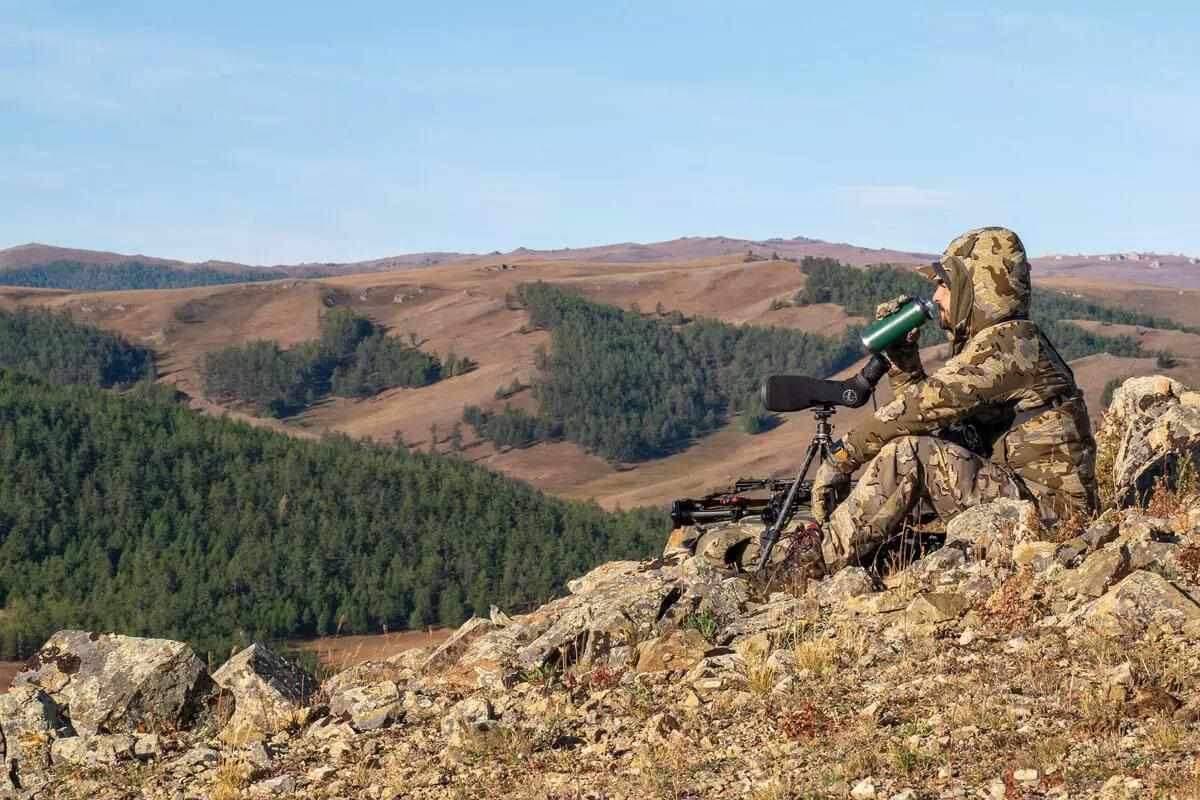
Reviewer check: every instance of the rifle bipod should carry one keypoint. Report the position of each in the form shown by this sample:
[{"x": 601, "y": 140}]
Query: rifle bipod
[{"x": 819, "y": 446}]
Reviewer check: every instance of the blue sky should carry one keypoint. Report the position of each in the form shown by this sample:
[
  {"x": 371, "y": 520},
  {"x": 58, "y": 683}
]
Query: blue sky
[{"x": 285, "y": 132}]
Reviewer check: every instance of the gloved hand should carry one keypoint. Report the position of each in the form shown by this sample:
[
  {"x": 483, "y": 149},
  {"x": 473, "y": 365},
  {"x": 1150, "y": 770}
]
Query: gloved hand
[
  {"x": 829, "y": 488},
  {"x": 904, "y": 355}
]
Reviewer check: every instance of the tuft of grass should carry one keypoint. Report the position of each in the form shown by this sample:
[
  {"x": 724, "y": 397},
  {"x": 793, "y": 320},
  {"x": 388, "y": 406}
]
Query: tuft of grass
[
  {"x": 760, "y": 676},
  {"x": 705, "y": 623},
  {"x": 231, "y": 776}
]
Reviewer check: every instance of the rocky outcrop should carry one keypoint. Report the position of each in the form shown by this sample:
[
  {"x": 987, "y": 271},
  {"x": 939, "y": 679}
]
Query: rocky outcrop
[
  {"x": 1018, "y": 660},
  {"x": 267, "y": 690},
  {"x": 1155, "y": 422},
  {"x": 30, "y": 723},
  {"x": 122, "y": 684},
  {"x": 990, "y": 531}
]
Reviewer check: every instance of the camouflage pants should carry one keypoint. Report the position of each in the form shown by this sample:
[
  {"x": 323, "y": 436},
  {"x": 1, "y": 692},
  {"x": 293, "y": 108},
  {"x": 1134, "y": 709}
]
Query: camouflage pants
[{"x": 907, "y": 469}]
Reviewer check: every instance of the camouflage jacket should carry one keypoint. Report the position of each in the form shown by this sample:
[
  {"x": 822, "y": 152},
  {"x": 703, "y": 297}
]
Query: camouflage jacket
[{"x": 1002, "y": 365}]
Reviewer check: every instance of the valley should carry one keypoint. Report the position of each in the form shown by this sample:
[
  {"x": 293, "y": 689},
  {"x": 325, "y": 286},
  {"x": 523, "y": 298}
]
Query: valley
[{"x": 466, "y": 308}]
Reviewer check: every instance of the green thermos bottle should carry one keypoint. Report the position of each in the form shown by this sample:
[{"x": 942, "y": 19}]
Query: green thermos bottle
[{"x": 882, "y": 333}]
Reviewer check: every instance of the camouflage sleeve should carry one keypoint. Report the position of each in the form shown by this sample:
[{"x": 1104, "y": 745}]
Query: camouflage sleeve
[
  {"x": 992, "y": 368},
  {"x": 905, "y": 370}
]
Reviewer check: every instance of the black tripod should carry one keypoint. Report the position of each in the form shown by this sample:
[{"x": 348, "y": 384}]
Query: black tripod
[{"x": 821, "y": 442}]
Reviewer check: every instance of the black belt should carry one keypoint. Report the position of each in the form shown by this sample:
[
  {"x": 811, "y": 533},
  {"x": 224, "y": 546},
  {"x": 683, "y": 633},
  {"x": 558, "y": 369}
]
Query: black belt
[{"x": 1030, "y": 413}]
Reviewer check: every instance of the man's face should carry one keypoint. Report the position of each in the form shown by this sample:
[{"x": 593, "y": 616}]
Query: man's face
[{"x": 941, "y": 299}]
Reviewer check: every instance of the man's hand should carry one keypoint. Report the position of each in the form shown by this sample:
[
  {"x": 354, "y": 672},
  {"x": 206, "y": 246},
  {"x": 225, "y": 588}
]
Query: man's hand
[
  {"x": 904, "y": 355},
  {"x": 830, "y": 487}
]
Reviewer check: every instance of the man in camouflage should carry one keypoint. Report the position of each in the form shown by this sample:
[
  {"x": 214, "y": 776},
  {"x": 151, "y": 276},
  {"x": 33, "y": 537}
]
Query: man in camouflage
[{"x": 1004, "y": 381}]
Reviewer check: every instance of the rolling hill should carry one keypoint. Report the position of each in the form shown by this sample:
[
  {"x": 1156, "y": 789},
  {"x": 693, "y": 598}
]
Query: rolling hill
[{"x": 464, "y": 307}]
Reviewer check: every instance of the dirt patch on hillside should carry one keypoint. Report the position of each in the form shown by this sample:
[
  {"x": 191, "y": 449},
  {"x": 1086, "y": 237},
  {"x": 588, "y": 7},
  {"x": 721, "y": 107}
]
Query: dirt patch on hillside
[
  {"x": 1180, "y": 305},
  {"x": 341, "y": 652},
  {"x": 8, "y": 671}
]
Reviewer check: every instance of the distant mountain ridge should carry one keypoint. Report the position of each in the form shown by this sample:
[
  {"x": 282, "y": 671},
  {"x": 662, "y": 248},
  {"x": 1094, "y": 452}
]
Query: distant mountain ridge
[
  {"x": 1169, "y": 270},
  {"x": 681, "y": 249}
]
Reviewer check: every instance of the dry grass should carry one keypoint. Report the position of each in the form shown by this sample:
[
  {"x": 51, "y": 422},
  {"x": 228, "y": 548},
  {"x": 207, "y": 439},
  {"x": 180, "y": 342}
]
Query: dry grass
[
  {"x": 230, "y": 779},
  {"x": 760, "y": 675},
  {"x": 1170, "y": 498},
  {"x": 1108, "y": 438}
]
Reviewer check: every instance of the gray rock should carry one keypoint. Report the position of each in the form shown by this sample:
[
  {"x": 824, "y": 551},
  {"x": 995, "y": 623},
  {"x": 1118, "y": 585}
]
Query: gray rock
[
  {"x": 368, "y": 707},
  {"x": 1140, "y": 600},
  {"x": 1156, "y": 421},
  {"x": 844, "y": 584},
  {"x": 1097, "y": 574},
  {"x": 989, "y": 531},
  {"x": 104, "y": 749},
  {"x": 30, "y": 723},
  {"x": 267, "y": 689},
  {"x": 124, "y": 684},
  {"x": 450, "y": 651}
]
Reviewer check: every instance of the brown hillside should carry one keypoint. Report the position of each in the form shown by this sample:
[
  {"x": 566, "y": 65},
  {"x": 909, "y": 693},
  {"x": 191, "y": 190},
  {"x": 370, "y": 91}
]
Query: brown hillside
[{"x": 463, "y": 308}]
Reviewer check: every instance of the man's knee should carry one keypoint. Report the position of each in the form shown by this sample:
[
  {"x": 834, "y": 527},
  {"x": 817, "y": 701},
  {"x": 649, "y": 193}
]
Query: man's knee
[{"x": 904, "y": 448}]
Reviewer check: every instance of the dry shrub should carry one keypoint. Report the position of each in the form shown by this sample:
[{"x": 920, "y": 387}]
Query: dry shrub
[
  {"x": 1017, "y": 604},
  {"x": 1098, "y": 712},
  {"x": 803, "y": 723},
  {"x": 1171, "y": 497},
  {"x": 1108, "y": 439}
]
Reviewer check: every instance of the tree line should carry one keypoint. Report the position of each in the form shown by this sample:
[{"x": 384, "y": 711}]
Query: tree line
[
  {"x": 85, "y": 277},
  {"x": 630, "y": 388},
  {"x": 56, "y": 348},
  {"x": 124, "y": 514},
  {"x": 352, "y": 358},
  {"x": 860, "y": 290}
]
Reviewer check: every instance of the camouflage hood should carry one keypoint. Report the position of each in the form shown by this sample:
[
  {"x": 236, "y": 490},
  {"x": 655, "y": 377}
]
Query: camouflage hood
[{"x": 989, "y": 281}]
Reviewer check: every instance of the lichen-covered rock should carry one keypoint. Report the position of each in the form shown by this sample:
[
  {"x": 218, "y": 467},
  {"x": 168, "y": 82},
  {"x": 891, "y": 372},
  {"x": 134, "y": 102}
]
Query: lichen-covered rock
[
  {"x": 267, "y": 690},
  {"x": 936, "y": 607},
  {"x": 1097, "y": 573},
  {"x": 30, "y": 722},
  {"x": 451, "y": 650},
  {"x": 612, "y": 612},
  {"x": 103, "y": 749},
  {"x": 124, "y": 684},
  {"x": 844, "y": 584},
  {"x": 989, "y": 531},
  {"x": 1140, "y": 600},
  {"x": 1156, "y": 423},
  {"x": 367, "y": 707},
  {"x": 678, "y": 650}
]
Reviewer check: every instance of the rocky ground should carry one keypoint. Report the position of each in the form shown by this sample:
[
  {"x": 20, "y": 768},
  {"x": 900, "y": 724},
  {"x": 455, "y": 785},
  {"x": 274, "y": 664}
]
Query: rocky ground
[{"x": 1015, "y": 661}]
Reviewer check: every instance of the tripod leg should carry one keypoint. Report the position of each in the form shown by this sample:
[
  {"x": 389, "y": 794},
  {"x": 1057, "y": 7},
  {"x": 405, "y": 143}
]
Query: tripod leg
[{"x": 771, "y": 535}]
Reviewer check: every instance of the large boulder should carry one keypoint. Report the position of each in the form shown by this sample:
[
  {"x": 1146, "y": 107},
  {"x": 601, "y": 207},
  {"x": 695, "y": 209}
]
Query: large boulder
[
  {"x": 990, "y": 530},
  {"x": 267, "y": 690},
  {"x": 1155, "y": 422},
  {"x": 123, "y": 684},
  {"x": 1141, "y": 600},
  {"x": 615, "y": 610},
  {"x": 30, "y": 723},
  {"x": 450, "y": 651}
]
